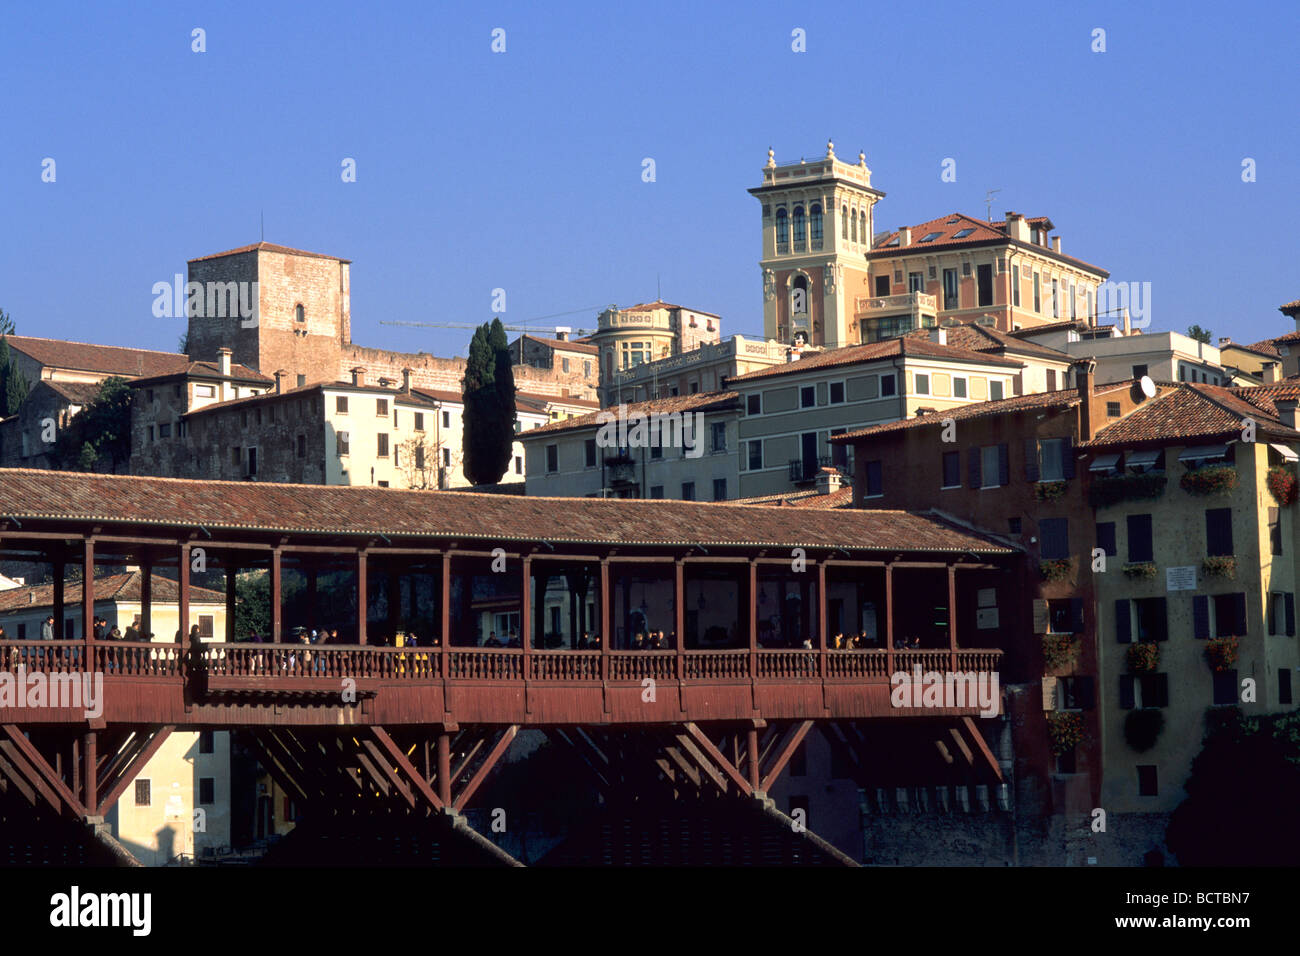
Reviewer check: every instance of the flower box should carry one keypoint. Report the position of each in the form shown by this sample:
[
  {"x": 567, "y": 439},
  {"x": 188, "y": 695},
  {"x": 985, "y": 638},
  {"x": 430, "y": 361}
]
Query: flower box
[
  {"x": 1050, "y": 490},
  {"x": 1113, "y": 489},
  {"x": 1221, "y": 653},
  {"x": 1211, "y": 480},
  {"x": 1058, "y": 650},
  {"x": 1057, "y": 569},
  {"x": 1141, "y": 569},
  {"x": 1143, "y": 658},
  {"x": 1065, "y": 731},
  {"x": 1282, "y": 484},
  {"x": 1220, "y": 566}
]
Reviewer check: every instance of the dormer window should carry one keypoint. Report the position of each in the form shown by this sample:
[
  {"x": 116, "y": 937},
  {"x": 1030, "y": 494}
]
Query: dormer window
[
  {"x": 962, "y": 233},
  {"x": 931, "y": 236}
]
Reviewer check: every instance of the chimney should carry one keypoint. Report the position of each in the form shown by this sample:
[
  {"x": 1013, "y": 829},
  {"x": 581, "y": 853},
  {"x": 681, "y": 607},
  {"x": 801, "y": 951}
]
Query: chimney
[
  {"x": 562, "y": 333},
  {"x": 828, "y": 481},
  {"x": 905, "y": 236},
  {"x": 1293, "y": 310},
  {"x": 1271, "y": 373},
  {"x": 406, "y": 381},
  {"x": 1125, "y": 321},
  {"x": 1224, "y": 341},
  {"x": 223, "y": 361},
  {"x": 279, "y": 380},
  {"x": 1056, "y": 244},
  {"x": 1286, "y": 410},
  {"x": 1085, "y": 371},
  {"x": 359, "y": 375},
  {"x": 939, "y": 335},
  {"x": 1017, "y": 228}
]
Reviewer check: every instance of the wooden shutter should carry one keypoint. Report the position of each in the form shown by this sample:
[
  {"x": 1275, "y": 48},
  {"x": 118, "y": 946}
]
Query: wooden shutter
[
  {"x": 1200, "y": 616},
  {"x": 1076, "y": 615},
  {"x": 1123, "y": 623},
  {"x": 1126, "y": 700},
  {"x": 1004, "y": 465},
  {"x": 1239, "y": 607},
  {"x": 973, "y": 468},
  {"x": 1067, "y": 458},
  {"x": 1290, "y": 615},
  {"x": 1085, "y": 693},
  {"x": 1031, "y": 459},
  {"x": 1162, "y": 631},
  {"x": 1040, "y": 616}
]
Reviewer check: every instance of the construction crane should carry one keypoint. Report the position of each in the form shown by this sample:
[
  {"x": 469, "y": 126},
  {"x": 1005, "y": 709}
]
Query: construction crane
[{"x": 508, "y": 328}]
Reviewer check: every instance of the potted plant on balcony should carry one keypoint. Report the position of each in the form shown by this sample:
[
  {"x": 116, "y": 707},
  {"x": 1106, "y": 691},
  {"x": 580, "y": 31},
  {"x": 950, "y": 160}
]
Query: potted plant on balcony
[
  {"x": 1142, "y": 728},
  {"x": 1064, "y": 730},
  {"x": 1141, "y": 569},
  {"x": 1282, "y": 484},
  {"x": 1143, "y": 657},
  {"x": 1221, "y": 653},
  {"x": 1056, "y": 569},
  {"x": 1220, "y": 566},
  {"x": 1212, "y": 480},
  {"x": 1058, "y": 650},
  {"x": 1050, "y": 490}
]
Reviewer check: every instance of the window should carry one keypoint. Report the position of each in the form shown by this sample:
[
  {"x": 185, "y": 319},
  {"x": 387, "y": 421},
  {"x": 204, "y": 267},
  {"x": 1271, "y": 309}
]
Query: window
[
  {"x": 1150, "y": 690},
  {"x": 22, "y": 632},
  {"x": 931, "y": 236},
  {"x": 142, "y": 794},
  {"x": 299, "y": 313},
  {"x": 950, "y": 289},
  {"x": 1106, "y": 537},
  {"x": 1015, "y": 286},
  {"x": 419, "y": 457},
  {"x": 688, "y": 491},
  {"x": 552, "y": 458},
  {"x": 984, "y": 284},
  {"x": 915, "y": 282},
  {"x": 164, "y": 431},
  {"x": 962, "y": 233},
  {"x": 341, "y": 404},
  {"x": 754, "y": 404},
  {"x": 1147, "y": 785},
  {"x": 951, "y": 469},
  {"x": 1225, "y": 688},
  {"x": 837, "y": 393},
  {"x": 1065, "y": 616},
  {"x": 252, "y": 462},
  {"x": 381, "y": 407},
  {"x": 718, "y": 436},
  {"x": 656, "y": 491},
  {"x": 922, "y": 384},
  {"x": 755, "y": 455},
  {"x": 1054, "y": 538},
  {"x": 888, "y": 385},
  {"x": 1281, "y": 613},
  {"x": 1284, "y": 686},
  {"x": 236, "y": 455},
  {"x": 1218, "y": 531},
  {"x": 1076, "y": 693},
  {"x": 1038, "y": 296},
  {"x": 1150, "y": 616},
  {"x": 875, "y": 480},
  {"x": 988, "y": 466},
  {"x": 586, "y": 368},
  {"x": 1140, "y": 544},
  {"x": 958, "y": 387},
  {"x": 341, "y": 443},
  {"x": 719, "y": 489},
  {"x": 519, "y": 463},
  {"x": 381, "y": 445},
  {"x": 1139, "y": 371},
  {"x": 446, "y": 419},
  {"x": 589, "y": 446},
  {"x": 205, "y": 391},
  {"x": 995, "y": 390},
  {"x": 419, "y": 421},
  {"x": 205, "y": 741},
  {"x": 798, "y": 223},
  {"x": 882, "y": 285},
  {"x": 446, "y": 458},
  {"x": 1056, "y": 299},
  {"x": 782, "y": 228},
  {"x": 1275, "y": 530},
  {"x": 815, "y": 222},
  {"x": 207, "y": 790},
  {"x": 564, "y": 365},
  {"x": 807, "y": 396},
  {"x": 1112, "y": 410},
  {"x": 302, "y": 380},
  {"x": 657, "y": 450}
]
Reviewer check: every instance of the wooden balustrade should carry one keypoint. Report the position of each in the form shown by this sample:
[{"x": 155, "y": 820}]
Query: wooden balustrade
[
  {"x": 565, "y": 665},
  {"x": 638, "y": 665},
  {"x": 717, "y": 665}
]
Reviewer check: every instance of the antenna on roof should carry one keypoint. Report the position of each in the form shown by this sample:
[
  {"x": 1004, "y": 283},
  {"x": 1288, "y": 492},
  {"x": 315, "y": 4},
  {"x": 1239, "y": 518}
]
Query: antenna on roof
[
  {"x": 263, "y": 215},
  {"x": 659, "y": 291},
  {"x": 988, "y": 203}
]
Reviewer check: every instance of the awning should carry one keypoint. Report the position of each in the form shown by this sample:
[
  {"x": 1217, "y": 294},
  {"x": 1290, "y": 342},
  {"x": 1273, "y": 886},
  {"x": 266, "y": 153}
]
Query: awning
[
  {"x": 1203, "y": 452},
  {"x": 1286, "y": 453},
  {"x": 1143, "y": 459},
  {"x": 1104, "y": 463}
]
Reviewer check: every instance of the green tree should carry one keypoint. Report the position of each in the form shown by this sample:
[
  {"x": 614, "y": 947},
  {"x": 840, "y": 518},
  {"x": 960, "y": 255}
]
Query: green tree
[
  {"x": 1200, "y": 334},
  {"x": 13, "y": 385},
  {"x": 88, "y": 458},
  {"x": 489, "y": 419},
  {"x": 104, "y": 424},
  {"x": 183, "y": 343}
]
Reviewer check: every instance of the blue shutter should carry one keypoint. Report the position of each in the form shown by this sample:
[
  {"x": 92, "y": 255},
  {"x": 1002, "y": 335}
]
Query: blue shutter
[
  {"x": 1031, "y": 459},
  {"x": 1126, "y": 700},
  {"x": 1200, "y": 616},
  {"x": 1004, "y": 465},
  {"x": 1123, "y": 622},
  {"x": 973, "y": 469},
  {"x": 1239, "y": 606},
  {"x": 1162, "y": 632},
  {"x": 1290, "y": 615},
  {"x": 1076, "y": 615},
  {"x": 1067, "y": 458}
]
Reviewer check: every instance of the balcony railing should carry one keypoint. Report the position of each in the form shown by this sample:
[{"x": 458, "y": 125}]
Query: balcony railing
[
  {"x": 915, "y": 302},
  {"x": 805, "y": 469}
]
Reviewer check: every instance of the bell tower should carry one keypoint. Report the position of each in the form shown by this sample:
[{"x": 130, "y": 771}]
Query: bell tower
[{"x": 817, "y": 227}]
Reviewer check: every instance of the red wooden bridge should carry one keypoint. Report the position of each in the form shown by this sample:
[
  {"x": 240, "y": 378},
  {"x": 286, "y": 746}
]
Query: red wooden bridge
[{"x": 753, "y": 625}]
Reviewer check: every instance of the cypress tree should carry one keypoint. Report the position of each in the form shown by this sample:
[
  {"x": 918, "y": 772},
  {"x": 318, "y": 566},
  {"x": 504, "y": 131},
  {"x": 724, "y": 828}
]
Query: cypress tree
[
  {"x": 479, "y": 400},
  {"x": 504, "y": 386}
]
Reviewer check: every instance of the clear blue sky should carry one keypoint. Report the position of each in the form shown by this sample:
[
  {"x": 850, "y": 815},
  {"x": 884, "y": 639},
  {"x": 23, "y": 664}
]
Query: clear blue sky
[{"x": 522, "y": 170}]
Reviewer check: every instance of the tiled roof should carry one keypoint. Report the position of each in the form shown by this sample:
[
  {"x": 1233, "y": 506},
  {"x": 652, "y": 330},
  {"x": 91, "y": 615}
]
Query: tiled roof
[
  {"x": 1290, "y": 308},
  {"x": 1066, "y": 398},
  {"x": 99, "y": 359},
  {"x": 269, "y": 247},
  {"x": 984, "y": 338},
  {"x": 1190, "y": 411},
  {"x": 115, "y": 500},
  {"x": 1264, "y": 396},
  {"x": 842, "y": 498},
  {"x": 124, "y": 587},
  {"x": 904, "y": 347},
  {"x": 699, "y": 402},
  {"x": 558, "y": 400},
  {"x": 982, "y": 231},
  {"x": 415, "y": 398},
  {"x": 78, "y": 393},
  {"x": 660, "y": 304},
  {"x": 1049, "y": 327},
  {"x": 562, "y": 345},
  {"x": 210, "y": 370},
  {"x": 1266, "y": 350}
]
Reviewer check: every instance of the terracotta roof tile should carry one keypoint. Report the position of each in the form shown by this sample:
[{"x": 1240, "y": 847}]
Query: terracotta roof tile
[
  {"x": 874, "y": 351},
  {"x": 209, "y": 370},
  {"x": 948, "y": 226},
  {"x": 78, "y": 393},
  {"x": 699, "y": 402},
  {"x": 984, "y": 338},
  {"x": 1190, "y": 411},
  {"x": 115, "y": 500},
  {"x": 562, "y": 345},
  {"x": 415, "y": 398},
  {"x": 120, "y": 587},
  {"x": 100, "y": 359},
  {"x": 269, "y": 247}
]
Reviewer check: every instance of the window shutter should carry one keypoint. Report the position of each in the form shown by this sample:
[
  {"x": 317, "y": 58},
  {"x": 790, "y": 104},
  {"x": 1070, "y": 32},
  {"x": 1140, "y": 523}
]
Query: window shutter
[
  {"x": 1239, "y": 603},
  {"x": 1123, "y": 623},
  {"x": 1160, "y": 690},
  {"x": 1031, "y": 459},
  {"x": 1162, "y": 632},
  {"x": 1040, "y": 616},
  {"x": 1067, "y": 458},
  {"x": 1290, "y": 615},
  {"x": 1200, "y": 616},
  {"x": 1085, "y": 693},
  {"x": 973, "y": 469},
  {"x": 1126, "y": 700},
  {"x": 1076, "y": 614},
  {"x": 1004, "y": 465}
]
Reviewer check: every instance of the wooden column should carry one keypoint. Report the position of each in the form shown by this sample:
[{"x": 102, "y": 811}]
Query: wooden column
[
  {"x": 755, "y": 782},
  {"x": 146, "y": 598},
  {"x": 277, "y": 610},
  {"x": 952, "y": 618},
  {"x": 58, "y": 599},
  {"x": 444, "y": 767},
  {"x": 88, "y": 597},
  {"x": 183, "y": 594},
  {"x": 232, "y": 579},
  {"x": 753, "y": 622},
  {"x": 91, "y": 776},
  {"x": 605, "y": 619},
  {"x": 526, "y": 611},
  {"x": 679, "y": 614},
  {"x": 444, "y": 640},
  {"x": 361, "y": 596},
  {"x": 889, "y": 620},
  {"x": 821, "y": 618},
  {"x": 311, "y": 598}
]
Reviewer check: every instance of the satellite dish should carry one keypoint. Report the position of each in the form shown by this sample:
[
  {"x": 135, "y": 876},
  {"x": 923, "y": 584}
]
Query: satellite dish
[{"x": 1148, "y": 386}]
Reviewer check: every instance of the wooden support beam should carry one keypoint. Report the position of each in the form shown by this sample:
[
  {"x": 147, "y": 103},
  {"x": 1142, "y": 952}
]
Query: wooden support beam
[
  {"x": 793, "y": 739},
  {"x": 961, "y": 746},
  {"x": 982, "y": 745},
  {"x": 362, "y": 596},
  {"x": 414, "y": 776},
  {"x": 444, "y": 768},
  {"x": 88, "y": 599},
  {"x": 278, "y": 771},
  {"x": 183, "y": 590},
  {"x": 493, "y": 756},
  {"x": 889, "y": 620},
  {"x": 59, "y": 571},
  {"x": 701, "y": 740},
  {"x": 120, "y": 781},
  {"x": 24, "y": 751},
  {"x": 952, "y": 619},
  {"x": 232, "y": 581},
  {"x": 277, "y": 597}
]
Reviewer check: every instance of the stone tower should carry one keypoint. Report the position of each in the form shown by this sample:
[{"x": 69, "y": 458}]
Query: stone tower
[
  {"x": 302, "y": 316},
  {"x": 817, "y": 227}
]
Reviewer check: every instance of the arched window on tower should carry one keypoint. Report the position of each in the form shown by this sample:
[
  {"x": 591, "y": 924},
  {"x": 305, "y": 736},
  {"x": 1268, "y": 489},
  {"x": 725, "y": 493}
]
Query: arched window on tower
[
  {"x": 799, "y": 296},
  {"x": 815, "y": 222},
  {"x": 853, "y": 226},
  {"x": 844, "y": 223},
  {"x": 866, "y": 233},
  {"x": 797, "y": 222},
  {"x": 782, "y": 228},
  {"x": 299, "y": 314}
]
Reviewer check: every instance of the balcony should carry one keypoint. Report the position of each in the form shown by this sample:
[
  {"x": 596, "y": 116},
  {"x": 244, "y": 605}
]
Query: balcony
[
  {"x": 804, "y": 470},
  {"x": 916, "y": 303}
]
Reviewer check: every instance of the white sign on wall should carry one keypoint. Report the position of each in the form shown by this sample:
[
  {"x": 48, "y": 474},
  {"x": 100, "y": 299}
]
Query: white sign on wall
[{"x": 1181, "y": 579}]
